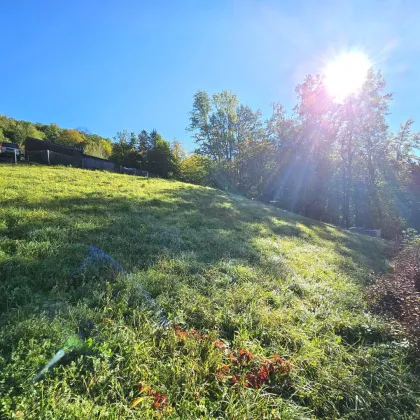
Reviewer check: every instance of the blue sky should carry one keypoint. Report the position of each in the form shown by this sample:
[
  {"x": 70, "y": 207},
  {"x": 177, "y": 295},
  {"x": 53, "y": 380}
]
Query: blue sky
[{"x": 107, "y": 65}]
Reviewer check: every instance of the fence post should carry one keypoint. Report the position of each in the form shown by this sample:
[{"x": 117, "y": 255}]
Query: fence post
[
  {"x": 15, "y": 157},
  {"x": 48, "y": 156}
]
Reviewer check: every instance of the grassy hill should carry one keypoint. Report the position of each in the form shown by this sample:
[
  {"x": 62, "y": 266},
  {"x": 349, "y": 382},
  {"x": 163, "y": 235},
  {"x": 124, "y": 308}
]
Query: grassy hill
[{"x": 235, "y": 277}]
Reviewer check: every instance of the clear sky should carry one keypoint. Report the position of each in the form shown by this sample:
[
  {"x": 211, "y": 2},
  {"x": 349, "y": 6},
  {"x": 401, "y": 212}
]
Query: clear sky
[{"x": 130, "y": 64}]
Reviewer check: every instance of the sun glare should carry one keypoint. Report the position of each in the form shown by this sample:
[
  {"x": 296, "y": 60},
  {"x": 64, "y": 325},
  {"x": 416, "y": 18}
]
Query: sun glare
[{"x": 346, "y": 74}]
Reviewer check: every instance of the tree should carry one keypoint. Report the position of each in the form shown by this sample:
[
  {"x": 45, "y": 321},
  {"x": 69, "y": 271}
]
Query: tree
[
  {"x": 160, "y": 158},
  {"x": 106, "y": 146},
  {"x": 178, "y": 150},
  {"x": 373, "y": 105},
  {"x": 21, "y": 130},
  {"x": 197, "y": 169},
  {"x": 124, "y": 150},
  {"x": 215, "y": 124},
  {"x": 144, "y": 142},
  {"x": 314, "y": 135},
  {"x": 199, "y": 123},
  {"x": 95, "y": 145},
  {"x": 71, "y": 138},
  {"x": 404, "y": 142},
  {"x": 52, "y": 133},
  {"x": 224, "y": 129}
]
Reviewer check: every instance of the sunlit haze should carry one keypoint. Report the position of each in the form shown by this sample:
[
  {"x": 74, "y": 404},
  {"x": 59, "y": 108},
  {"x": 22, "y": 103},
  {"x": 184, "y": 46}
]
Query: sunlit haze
[
  {"x": 345, "y": 74},
  {"x": 105, "y": 67}
]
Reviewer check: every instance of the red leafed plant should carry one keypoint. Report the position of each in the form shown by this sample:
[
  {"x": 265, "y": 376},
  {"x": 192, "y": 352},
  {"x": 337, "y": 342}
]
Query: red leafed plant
[
  {"x": 222, "y": 372},
  {"x": 196, "y": 334},
  {"x": 159, "y": 399},
  {"x": 233, "y": 359},
  {"x": 284, "y": 364},
  {"x": 179, "y": 332},
  {"x": 219, "y": 344},
  {"x": 183, "y": 335},
  {"x": 244, "y": 356},
  {"x": 257, "y": 375}
]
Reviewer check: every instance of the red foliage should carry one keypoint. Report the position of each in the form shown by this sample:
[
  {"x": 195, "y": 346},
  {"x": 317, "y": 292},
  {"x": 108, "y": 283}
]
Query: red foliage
[
  {"x": 159, "y": 399},
  {"x": 252, "y": 381},
  {"x": 245, "y": 356},
  {"x": 179, "y": 332},
  {"x": 263, "y": 374},
  {"x": 220, "y": 344},
  {"x": 232, "y": 357},
  {"x": 223, "y": 371},
  {"x": 196, "y": 335},
  {"x": 270, "y": 365},
  {"x": 258, "y": 375}
]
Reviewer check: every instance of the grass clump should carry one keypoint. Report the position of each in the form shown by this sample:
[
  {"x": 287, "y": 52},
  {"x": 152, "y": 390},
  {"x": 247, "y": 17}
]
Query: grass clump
[{"x": 234, "y": 277}]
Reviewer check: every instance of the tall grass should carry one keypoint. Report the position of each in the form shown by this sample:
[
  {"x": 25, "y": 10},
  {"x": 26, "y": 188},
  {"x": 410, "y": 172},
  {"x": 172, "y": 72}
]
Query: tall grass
[{"x": 242, "y": 275}]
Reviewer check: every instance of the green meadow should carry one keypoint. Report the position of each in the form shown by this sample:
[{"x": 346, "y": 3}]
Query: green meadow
[{"x": 243, "y": 284}]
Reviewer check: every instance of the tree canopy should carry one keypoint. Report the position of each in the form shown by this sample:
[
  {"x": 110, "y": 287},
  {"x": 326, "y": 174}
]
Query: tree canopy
[{"x": 334, "y": 162}]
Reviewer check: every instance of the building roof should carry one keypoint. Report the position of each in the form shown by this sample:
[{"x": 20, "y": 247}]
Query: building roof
[{"x": 37, "y": 144}]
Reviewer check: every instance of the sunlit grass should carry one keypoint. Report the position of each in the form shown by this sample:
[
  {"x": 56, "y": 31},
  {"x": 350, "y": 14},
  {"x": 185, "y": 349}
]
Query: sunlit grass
[{"x": 255, "y": 277}]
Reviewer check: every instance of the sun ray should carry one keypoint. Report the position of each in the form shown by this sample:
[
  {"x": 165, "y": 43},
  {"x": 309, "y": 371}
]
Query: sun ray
[{"x": 345, "y": 74}]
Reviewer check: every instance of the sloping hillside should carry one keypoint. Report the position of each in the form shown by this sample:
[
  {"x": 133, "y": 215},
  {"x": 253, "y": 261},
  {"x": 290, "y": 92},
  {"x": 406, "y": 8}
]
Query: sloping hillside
[{"x": 240, "y": 282}]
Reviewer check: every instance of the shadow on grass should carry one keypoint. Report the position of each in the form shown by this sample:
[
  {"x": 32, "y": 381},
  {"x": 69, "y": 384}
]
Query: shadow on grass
[{"x": 43, "y": 242}]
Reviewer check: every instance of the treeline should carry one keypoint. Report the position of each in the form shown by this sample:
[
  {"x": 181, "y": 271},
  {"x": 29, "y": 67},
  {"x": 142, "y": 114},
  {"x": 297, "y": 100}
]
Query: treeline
[
  {"x": 150, "y": 152},
  {"x": 15, "y": 131},
  {"x": 334, "y": 162}
]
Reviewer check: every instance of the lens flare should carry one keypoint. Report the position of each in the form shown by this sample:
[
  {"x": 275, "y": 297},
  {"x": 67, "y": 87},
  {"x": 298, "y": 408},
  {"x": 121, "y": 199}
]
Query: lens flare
[{"x": 346, "y": 74}]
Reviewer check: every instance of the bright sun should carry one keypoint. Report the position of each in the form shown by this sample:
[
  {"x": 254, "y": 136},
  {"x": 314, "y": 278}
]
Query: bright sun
[{"x": 346, "y": 74}]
